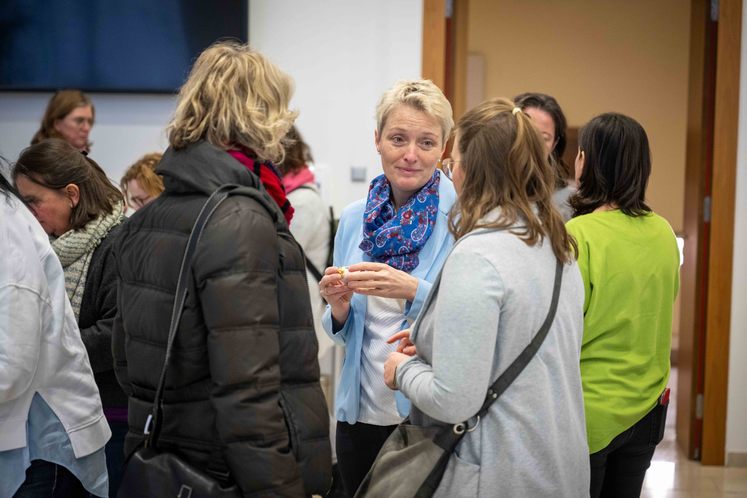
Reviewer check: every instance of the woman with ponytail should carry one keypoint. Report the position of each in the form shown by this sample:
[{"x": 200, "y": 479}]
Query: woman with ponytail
[{"x": 494, "y": 294}]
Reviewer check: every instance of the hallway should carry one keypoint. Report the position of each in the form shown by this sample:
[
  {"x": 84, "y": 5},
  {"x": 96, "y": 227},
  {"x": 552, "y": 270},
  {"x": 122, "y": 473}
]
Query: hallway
[{"x": 672, "y": 475}]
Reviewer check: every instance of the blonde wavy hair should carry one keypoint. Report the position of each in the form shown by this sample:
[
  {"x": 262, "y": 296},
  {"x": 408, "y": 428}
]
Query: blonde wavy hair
[
  {"x": 234, "y": 96},
  {"x": 504, "y": 164},
  {"x": 422, "y": 95}
]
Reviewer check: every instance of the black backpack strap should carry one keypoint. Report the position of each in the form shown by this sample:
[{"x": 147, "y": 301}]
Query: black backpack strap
[{"x": 312, "y": 269}]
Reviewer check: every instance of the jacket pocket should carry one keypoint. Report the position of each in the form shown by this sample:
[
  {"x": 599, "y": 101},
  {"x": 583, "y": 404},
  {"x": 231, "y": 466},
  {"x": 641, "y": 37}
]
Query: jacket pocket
[
  {"x": 461, "y": 478},
  {"x": 291, "y": 424},
  {"x": 307, "y": 421}
]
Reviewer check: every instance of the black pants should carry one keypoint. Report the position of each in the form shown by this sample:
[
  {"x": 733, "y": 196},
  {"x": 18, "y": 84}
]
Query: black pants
[
  {"x": 49, "y": 480},
  {"x": 619, "y": 469},
  {"x": 357, "y": 446}
]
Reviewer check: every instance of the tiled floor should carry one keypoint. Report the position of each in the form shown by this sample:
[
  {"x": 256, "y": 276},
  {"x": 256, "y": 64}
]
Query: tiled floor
[{"x": 672, "y": 475}]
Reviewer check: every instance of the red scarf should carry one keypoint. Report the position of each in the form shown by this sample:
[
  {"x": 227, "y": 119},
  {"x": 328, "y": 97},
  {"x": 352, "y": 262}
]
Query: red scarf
[{"x": 270, "y": 178}]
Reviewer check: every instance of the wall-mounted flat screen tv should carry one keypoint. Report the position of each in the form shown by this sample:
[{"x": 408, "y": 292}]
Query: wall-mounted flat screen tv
[{"x": 110, "y": 45}]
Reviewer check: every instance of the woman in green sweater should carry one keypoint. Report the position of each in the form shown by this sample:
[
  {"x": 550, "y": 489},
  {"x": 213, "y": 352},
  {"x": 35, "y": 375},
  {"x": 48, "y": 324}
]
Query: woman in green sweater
[{"x": 629, "y": 261}]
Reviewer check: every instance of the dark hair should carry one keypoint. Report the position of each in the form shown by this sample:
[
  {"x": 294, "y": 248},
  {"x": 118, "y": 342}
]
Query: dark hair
[
  {"x": 54, "y": 163},
  {"x": 60, "y": 105},
  {"x": 505, "y": 164},
  {"x": 617, "y": 165},
  {"x": 548, "y": 104},
  {"x": 297, "y": 152}
]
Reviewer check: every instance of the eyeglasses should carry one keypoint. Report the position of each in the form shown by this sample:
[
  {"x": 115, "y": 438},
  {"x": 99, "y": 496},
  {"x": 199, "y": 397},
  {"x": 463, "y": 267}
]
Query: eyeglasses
[{"x": 447, "y": 165}]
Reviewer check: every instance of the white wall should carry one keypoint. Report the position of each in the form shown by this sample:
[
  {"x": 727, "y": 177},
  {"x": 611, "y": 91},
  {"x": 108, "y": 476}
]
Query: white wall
[
  {"x": 342, "y": 55},
  {"x": 736, "y": 414},
  {"x": 127, "y": 126}
]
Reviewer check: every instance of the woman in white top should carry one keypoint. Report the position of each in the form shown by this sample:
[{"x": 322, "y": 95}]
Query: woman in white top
[{"x": 52, "y": 426}]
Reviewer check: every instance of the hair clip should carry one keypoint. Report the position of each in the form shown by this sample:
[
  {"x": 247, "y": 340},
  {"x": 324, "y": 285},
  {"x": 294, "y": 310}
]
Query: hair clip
[{"x": 516, "y": 111}]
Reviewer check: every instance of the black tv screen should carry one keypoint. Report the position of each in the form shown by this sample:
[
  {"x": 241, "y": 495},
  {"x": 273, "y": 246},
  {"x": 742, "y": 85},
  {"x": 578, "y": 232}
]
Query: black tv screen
[{"x": 110, "y": 45}]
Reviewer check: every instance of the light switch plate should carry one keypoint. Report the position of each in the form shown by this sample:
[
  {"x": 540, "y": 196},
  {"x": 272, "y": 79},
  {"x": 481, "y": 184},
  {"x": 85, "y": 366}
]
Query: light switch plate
[{"x": 358, "y": 174}]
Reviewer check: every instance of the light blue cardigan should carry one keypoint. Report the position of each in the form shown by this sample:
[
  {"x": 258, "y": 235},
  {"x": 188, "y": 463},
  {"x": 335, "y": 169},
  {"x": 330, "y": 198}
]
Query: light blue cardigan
[{"x": 432, "y": 257}]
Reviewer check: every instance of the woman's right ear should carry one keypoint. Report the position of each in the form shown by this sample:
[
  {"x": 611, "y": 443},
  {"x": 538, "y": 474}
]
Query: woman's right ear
[{"x": 376, "y": 141}]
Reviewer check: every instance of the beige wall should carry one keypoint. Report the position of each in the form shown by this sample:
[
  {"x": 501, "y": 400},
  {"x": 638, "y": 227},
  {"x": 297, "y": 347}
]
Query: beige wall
[{"x": 596, "y": 56}]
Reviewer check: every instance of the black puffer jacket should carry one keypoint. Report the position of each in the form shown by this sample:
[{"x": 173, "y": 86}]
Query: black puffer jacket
[{"x": 244, "y": 378}]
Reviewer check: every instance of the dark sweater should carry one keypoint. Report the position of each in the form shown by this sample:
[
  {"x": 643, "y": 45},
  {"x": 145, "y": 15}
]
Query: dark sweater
[{"x": 97, "y": 310}]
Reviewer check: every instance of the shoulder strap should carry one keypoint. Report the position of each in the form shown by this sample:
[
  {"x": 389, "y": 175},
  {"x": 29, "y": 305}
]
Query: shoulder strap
[
  {"x": 521, "y": 361},
  {"x": 312, "y": 269},
  {"x": 153, "y": 424}
]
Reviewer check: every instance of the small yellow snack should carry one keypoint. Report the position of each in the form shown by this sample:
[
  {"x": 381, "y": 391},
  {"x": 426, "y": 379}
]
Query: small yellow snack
[{"x": 343, "y": 271}]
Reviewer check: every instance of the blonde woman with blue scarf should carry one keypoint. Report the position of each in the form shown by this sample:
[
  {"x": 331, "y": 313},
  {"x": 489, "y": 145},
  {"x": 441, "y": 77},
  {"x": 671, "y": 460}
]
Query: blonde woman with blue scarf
[{"x": 388, "y": 249}]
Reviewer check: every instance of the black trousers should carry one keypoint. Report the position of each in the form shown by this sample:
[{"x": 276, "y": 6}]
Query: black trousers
[
  {"x": 619, "y": 469},
  {"x": 49, "y": 480},
  {"x": 357, "y": 446}
]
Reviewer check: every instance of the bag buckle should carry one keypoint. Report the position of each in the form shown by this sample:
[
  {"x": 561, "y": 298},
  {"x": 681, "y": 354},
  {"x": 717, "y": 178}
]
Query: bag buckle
[
  {"x": 146, "y": 429},
  {"x": 462, "y": 427}
]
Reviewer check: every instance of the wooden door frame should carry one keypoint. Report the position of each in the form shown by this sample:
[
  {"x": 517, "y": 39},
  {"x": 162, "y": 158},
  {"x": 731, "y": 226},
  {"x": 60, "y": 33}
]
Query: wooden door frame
[
  {"x": 434, "y": 42},
  {"x": 720, "y": 262},
  {"x": 694, "y": 273},
  {"x": 444, "y": 54}
]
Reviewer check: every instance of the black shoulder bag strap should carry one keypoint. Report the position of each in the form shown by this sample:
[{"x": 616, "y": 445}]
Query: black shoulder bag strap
[{"x": 153, "y": 424}]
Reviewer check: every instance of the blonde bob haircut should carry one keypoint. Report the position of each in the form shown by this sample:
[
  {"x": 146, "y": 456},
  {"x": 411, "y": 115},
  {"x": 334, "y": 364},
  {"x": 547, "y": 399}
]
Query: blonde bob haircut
[
  {"x": 422, "y": 95},
  {"x": 505, "y": 165},
  {"x": 234, "y": 96},
  {"x": 144, "y": 172}
]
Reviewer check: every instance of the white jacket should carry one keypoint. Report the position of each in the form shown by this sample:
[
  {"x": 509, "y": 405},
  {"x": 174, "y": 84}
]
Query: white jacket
[
  {"x": 40, "y": 345},
  {"x": 310, "y": 227}
]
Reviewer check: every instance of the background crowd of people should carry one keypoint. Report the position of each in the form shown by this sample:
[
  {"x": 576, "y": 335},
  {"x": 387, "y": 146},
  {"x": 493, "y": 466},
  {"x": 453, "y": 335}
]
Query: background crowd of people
[{"x": 438, "y": 280}]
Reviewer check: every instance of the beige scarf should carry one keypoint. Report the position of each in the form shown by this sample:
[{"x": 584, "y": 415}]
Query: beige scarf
[{"x": 75, "y": 249}]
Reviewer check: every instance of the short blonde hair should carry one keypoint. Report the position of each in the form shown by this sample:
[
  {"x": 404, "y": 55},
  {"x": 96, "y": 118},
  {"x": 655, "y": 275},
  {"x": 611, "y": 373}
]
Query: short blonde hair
[
  {"x": 144, "y": 171},
  {"x": 234, "y": 96},
  {"x": 422, "y": 95}
]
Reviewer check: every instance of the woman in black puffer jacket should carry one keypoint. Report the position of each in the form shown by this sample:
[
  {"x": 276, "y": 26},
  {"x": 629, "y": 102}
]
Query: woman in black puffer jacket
[{"x": 242, "y": 394}]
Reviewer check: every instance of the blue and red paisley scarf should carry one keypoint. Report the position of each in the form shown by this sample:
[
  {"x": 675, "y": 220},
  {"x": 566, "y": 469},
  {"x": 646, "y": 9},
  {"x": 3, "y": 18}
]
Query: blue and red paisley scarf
[{"x": 396, "y": 238}]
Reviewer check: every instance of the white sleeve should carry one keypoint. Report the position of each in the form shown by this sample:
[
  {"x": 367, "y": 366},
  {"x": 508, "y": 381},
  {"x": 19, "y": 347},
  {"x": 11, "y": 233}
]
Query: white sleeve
[{"x": 21, "y": 309}]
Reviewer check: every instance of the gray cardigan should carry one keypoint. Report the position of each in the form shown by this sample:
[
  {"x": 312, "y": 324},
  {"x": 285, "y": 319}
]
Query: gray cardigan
[{"x": 493, "y": 296}]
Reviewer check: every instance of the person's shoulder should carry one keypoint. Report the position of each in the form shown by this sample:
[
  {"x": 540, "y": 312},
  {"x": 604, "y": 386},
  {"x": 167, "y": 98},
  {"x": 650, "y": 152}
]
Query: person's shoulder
[
  {"x": 251, "y": 216},
  {"x": 353, "y": 212},
  {"x": 447, "y": 195},
  {"x": 485, "y": 242},
  {"x": 23, "y": 242},
  {"x": 659, "y": 221},
  {"x": 305, "y": 195},
  {"x": 579, "y": 222}
]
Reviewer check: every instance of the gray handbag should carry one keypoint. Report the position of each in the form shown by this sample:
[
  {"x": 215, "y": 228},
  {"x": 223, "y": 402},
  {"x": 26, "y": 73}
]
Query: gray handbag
[{"x": 414, "y": 458}]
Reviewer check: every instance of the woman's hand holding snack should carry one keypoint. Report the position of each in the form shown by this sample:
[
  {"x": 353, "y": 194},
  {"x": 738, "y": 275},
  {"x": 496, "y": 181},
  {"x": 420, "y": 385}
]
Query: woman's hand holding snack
[
  {"x": 333, "y": 289},
  {"x": 379, "y": 279}
]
